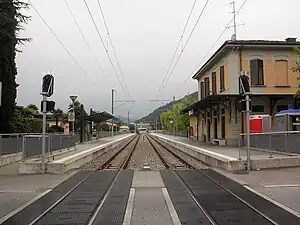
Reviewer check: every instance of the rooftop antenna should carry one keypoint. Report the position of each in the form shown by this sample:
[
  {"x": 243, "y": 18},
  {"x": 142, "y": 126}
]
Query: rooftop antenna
[{"x": 234, "y": 20}]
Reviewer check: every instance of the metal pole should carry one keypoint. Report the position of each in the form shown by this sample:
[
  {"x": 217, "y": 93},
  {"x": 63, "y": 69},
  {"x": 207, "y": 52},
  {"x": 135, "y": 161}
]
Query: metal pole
[
  {"x": 234, "y": 20},
  {"x": 156, "y": 124},
  {"x": 73, "y": 123},
  {"x": 44, "y": 133},
  {"x": 112, "y": 111},
  {"x": 248, "y": 130}
]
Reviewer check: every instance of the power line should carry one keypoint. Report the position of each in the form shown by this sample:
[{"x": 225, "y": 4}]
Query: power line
[
  {"x": 110, "y": 60},
  {"x": 200, "y": 16},
  {"x": 112, "y": 45},
  {"x": 61, "y": 43},
  {"x": 178, "y": 44},
  {"x": 84, "y": 38},
  {"x": 217, "y": 40}
]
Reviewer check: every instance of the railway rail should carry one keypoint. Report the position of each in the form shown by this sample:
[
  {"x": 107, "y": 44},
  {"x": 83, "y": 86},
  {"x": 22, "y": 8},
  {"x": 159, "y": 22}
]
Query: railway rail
[
  {"x": 79, "y": 191},
  {"x": 199, "y": 194},
  {"x": 231, "y": 210}
]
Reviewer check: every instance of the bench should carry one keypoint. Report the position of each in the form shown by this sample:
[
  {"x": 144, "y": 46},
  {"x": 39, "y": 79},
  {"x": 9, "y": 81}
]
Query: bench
[{"x": 221, "y": 142}]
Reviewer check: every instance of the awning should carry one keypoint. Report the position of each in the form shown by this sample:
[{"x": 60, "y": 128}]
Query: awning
[
  {"x": 99, "y": 117},
  {"x": 207, "y": 102}
]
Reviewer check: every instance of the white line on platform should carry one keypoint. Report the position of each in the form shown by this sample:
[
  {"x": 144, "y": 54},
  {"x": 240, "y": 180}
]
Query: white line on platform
[
  {"x": 128, "y": 213},
  {"x": 281, "y": 185},
  {"x": 173, "y": 213},
  {"x": 23, "y": 206},
  {"x": 202, "y": 150},
  {"x": 273, "y": 201}
]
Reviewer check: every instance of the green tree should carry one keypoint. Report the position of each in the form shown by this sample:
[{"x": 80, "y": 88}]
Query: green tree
[
  {"x": 58, "y": 113},
  {"x": 11, "y": 23},
  {"x": 297, "y": 70},
  {"x": 24, "y": 120},
  {"x": 180, "y": 122}
]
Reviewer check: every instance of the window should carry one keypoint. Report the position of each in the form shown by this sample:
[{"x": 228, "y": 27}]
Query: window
[
  {"x": 214, "y": 83},
  {"x": 282, "y": 107},
  {"x": 281, "y": 72},
  {"x": 257, "y": 71},
  {"x": 202, "y": 89},
  {"x": 222, "y": 78},
  {"x": 258, "y": 109},
  {"x": 206, "y": 83}
]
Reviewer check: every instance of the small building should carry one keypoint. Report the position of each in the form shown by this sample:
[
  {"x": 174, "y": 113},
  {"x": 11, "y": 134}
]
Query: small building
[{"x": 217, "y": 114}]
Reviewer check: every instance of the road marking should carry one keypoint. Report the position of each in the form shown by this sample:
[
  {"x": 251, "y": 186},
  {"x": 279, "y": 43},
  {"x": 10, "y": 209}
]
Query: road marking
[
  {"x": 128, "y": 213},
  {"x": 273, "y": 201},
  {"x": 281, "y": 185},
  {"x": 23, "y": 206},
  {"x": 173, "y": 213}
]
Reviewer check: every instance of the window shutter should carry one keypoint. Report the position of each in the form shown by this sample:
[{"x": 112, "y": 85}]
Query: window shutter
[
  {"x": 214, "y": 83},
  {"x": 222, "y": 78},
  {"x": 254, "y": 71},
  {"x": 260, "y": 70}
]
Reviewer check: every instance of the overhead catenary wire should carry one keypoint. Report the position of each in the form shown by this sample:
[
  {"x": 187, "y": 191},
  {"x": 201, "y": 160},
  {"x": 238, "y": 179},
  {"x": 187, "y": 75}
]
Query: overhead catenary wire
[
  {"x": 83, "y": 36},
  {"x": 60, "y": 42},
  {"x": 178, "y": 44},
  {"x": 113, "y": 48},
  {"x": 186, "y": 43},
  {"x": 216, "y": 41},
  {"x": 103, "y": 44}
]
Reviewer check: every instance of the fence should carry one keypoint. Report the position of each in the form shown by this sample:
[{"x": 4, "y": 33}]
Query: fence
[
  {"x": 180, "y": 134},
  {"x": 288, "y": 141},
  {"x": 31, "y": 144}
]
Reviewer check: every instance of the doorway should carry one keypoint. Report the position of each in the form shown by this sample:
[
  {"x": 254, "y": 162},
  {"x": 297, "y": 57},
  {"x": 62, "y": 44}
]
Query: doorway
[
  {"x": 215, "y": 128},
  {"x": 223, "y": 127},
  {"x": 208, "y": 130}
]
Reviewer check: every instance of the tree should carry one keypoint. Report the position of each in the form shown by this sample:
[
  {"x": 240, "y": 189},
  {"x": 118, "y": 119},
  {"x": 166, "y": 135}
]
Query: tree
[
  {"x": 24, "y": 120},
  {"x": 296, "y": 69},
  {"x": 11, "y": 23},
  {"x": 180, "y": 122},
  {"x": 58, "y": 113}
]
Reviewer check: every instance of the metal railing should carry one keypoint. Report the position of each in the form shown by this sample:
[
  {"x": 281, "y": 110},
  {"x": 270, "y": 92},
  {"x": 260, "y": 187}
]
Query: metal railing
[
  {"x": 287, "y": 142},
  {"x": 179, "y": 134},
  {"x": 31, "y": 144}
]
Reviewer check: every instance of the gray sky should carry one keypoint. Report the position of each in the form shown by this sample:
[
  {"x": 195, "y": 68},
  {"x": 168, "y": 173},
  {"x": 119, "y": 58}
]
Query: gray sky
[{"x": 145, "y": 34}]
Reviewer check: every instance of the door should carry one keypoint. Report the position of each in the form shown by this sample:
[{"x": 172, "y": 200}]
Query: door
[
  {"x": 223, "y": 127},
  {"x": 215, "y": 128},
  {"x": 208, "y": 130}
]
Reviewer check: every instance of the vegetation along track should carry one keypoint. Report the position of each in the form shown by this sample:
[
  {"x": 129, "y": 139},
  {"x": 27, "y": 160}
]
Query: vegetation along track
[{"x": 218, "y": 204}]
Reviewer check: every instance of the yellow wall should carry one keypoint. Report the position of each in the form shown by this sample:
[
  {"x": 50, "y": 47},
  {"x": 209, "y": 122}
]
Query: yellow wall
[
  {"x": 193, "y": 123},
  {"x": 271, "y": 72},
  {"x": 216, "y": 68}
]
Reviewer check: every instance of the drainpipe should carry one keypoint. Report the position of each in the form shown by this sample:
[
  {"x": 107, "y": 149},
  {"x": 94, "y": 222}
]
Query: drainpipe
[{"x": 241, "y": 69}]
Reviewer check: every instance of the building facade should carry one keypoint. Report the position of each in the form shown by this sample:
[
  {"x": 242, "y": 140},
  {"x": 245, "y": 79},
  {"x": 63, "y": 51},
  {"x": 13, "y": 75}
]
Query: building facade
[{"x": 217, "y": 114}]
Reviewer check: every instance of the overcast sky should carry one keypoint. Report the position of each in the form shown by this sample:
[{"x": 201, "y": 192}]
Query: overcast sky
[{"x": 145, "y": 34}]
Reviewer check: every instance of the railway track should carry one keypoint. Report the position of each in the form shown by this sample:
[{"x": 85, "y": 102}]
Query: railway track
[
  {"x": 218, "y": 204},
  {"x": 93, "y": 187}
]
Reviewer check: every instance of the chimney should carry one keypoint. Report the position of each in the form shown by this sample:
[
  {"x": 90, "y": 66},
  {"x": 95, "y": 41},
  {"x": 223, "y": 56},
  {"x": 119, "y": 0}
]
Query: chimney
[{"x": 289, "y": 39}]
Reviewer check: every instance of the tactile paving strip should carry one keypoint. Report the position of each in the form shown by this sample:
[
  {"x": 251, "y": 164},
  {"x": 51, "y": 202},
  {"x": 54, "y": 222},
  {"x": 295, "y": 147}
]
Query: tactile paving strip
[
  {"x": 28, "y": 214},
  {"x": 188, "y": 212},
  {"x": 223, "y": 207},
  {"x": 79, "y": 205},
  {"x": 274, "y": 212},
  {"x": 113, "y": 210}
]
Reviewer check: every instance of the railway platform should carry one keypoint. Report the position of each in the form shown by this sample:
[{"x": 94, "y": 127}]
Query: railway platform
[
  {"x": 143, "y": 181},
  {"x": 61, "y": 163},
  {"x": 231, "y": 158}
]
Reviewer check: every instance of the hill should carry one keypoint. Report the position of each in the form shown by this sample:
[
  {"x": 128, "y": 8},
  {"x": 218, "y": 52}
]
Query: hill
[{"x": 156, "y": 113}]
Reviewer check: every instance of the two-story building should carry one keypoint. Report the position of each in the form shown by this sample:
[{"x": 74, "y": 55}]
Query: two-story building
[{"x": 269, "y": 64}]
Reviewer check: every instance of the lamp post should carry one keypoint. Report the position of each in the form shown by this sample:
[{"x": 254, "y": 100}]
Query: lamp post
[{"x": 73, "y": 98}]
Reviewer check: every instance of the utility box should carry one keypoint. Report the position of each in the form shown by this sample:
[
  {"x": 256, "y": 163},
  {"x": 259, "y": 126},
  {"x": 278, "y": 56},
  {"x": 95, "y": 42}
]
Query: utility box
[{"x": 260, "y": 123}]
